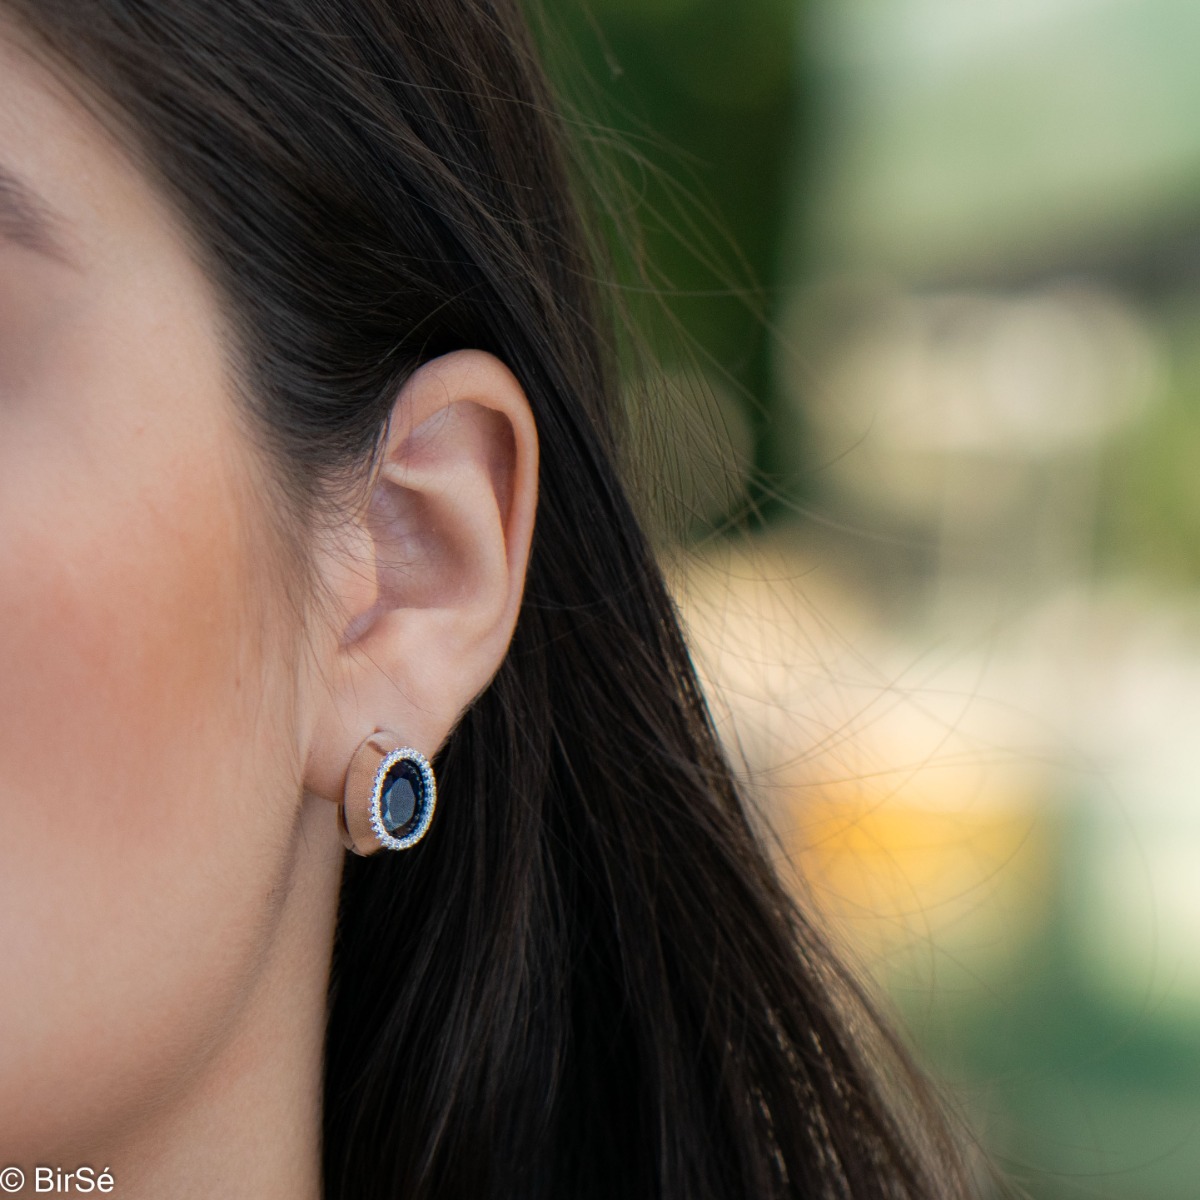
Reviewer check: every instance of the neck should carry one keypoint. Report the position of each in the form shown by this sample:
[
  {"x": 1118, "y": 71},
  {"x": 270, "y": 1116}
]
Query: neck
[{"x": 249, "y": 1123}]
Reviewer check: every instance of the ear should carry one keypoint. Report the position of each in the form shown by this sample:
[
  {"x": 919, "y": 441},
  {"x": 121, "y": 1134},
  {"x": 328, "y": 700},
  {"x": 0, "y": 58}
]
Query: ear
[{"x": 426, "y": 580}]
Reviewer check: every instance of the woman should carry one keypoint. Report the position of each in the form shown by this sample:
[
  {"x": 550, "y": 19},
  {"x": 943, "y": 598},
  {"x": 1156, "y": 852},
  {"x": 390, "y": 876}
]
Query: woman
[{"x": 297, "y": 332}]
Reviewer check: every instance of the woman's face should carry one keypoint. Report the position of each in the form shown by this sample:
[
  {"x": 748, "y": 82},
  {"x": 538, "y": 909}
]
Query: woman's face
[{"x": 150, "y": 761}]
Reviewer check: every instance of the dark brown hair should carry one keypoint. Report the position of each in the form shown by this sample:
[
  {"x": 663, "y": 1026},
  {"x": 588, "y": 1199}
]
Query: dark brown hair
[{"x": 587, "y": 982}]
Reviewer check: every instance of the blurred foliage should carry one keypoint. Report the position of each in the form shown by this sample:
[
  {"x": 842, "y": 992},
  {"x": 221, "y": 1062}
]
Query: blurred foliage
[
  {"x": 987, "y": 140},
  {"x": 1080, "y": 1092},
  {"x": 1149, "y": 509},
  {"x": 703, "y": 99},
  {"x": 1021, "y": 184}
]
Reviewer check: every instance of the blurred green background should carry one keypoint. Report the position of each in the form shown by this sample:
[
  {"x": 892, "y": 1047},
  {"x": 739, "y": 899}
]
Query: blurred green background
[{"x": 925, "y": 278}]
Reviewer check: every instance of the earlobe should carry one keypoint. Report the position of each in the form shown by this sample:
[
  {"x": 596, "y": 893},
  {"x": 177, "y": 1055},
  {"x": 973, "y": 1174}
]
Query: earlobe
[{"x": 429, "y": 608}]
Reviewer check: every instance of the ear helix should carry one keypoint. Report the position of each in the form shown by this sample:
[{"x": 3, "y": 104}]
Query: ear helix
[{"x": 389, "y": 797}]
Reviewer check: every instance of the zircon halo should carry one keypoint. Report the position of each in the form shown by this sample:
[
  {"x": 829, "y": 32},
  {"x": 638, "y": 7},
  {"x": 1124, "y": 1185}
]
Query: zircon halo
[{"x": 403, "y": 798}]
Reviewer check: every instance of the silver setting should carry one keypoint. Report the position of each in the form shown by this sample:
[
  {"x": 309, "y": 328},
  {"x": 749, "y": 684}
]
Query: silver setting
[{"x": 426, "y": 802}]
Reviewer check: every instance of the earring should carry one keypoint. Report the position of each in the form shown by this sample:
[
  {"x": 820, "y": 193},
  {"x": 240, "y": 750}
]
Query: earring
[{"x": 389, "y": 796}]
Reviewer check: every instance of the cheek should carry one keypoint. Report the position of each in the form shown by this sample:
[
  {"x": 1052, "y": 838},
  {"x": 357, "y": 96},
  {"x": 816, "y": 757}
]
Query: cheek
[
  {"x": 126, "y": 580},
  {"x": 116, "y": 638},
  {"x": 118, "y": 628},
  {"x": 145, "y": 784}
]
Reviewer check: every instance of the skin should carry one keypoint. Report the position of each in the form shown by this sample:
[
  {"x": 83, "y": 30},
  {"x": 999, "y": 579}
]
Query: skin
[{"x": 177, "y": 716}]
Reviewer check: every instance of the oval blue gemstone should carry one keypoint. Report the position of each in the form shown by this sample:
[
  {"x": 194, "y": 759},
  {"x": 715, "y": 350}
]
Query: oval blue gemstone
[{"x": 403, "y": 786}]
